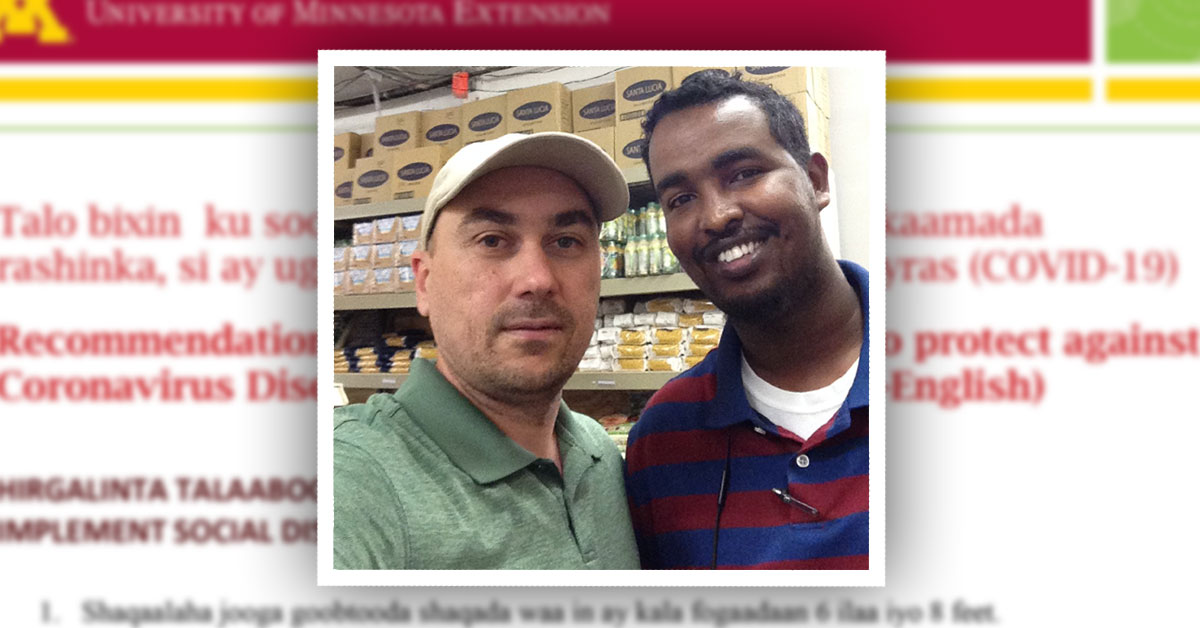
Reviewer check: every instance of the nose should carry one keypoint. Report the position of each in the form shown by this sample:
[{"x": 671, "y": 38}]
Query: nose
[
  {"x": 534, "y": 272},
  {"x": 719, "y": 212}
]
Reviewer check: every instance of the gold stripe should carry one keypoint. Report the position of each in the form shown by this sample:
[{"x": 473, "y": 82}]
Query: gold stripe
[
  {"x": 1156, "y": 89},
  {"x": 989, "y": 89},
  {"x": 158, "y": 89}
]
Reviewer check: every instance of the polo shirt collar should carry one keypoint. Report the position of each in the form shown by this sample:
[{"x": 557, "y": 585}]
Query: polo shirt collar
[
  {"x": 731, "y": 405},
  {"x": 469, "y": 439}
]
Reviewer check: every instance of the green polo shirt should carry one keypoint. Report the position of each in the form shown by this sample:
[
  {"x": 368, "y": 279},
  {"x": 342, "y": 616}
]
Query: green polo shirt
[{"x": 423, "y": 480}]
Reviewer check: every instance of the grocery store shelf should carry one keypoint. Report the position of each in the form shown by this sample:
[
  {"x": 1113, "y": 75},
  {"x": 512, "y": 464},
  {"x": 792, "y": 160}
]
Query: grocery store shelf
[
  {"x": 578, "y": 381},
  {"x": 657, "y": 284},
  {"x": 678, "y": 282},
  {"x": 619, "y": 381},
  {"x": 386, "y": 208},
  {"x": 393, "y": 301}
]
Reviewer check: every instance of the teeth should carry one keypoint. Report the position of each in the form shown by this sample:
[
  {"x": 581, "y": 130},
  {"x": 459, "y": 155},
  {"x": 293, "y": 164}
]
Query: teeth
[{"x": 738, "y": 252}]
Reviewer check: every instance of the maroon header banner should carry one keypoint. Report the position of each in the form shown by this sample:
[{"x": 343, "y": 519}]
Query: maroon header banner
[{"x": 293, "y": 30}]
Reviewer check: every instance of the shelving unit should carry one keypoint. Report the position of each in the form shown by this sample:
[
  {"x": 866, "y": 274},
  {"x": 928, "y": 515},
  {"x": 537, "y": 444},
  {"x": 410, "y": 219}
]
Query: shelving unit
[
  {"x": 578, "y": 381},
  {"x": 628, "y": 286}
]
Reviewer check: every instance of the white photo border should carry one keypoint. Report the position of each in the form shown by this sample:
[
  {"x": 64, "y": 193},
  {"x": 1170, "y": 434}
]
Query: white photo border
[{"x": 871, "y": 63}]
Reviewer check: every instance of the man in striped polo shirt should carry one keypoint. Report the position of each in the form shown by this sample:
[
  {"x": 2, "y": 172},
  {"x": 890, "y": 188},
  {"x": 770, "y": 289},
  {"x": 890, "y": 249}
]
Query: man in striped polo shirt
[{"x": 756, "y": 457}]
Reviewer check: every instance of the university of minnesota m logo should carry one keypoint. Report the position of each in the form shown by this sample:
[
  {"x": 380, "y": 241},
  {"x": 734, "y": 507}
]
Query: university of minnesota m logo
[{"x": 31, "y": 17}]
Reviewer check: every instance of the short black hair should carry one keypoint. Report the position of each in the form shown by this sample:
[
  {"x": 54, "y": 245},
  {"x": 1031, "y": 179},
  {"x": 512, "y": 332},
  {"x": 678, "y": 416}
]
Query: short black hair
[{"x": 709, "y": 86}]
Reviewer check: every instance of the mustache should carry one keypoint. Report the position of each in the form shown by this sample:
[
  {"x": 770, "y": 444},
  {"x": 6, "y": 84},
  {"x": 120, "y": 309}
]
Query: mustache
[
  {"x": 741, "y": 235},
  {"x": 507, "y": 315}
]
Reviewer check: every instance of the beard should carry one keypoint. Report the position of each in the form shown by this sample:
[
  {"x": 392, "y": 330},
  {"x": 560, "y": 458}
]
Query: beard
[
  {"x": 778, "y": 301},
  {"x": 486, "y": 366}
]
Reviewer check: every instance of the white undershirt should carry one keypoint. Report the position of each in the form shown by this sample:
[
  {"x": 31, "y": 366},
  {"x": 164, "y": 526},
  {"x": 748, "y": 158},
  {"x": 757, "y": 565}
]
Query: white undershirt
[{"x": 801, "y": 413}]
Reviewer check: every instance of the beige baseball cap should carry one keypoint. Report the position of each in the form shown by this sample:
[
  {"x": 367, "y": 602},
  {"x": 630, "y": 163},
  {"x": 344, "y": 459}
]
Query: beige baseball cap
[{"x": 578, "y": 158}]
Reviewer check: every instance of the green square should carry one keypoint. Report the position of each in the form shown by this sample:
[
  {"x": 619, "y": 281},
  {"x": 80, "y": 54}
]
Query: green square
[{"x": 1153, "y": 31}]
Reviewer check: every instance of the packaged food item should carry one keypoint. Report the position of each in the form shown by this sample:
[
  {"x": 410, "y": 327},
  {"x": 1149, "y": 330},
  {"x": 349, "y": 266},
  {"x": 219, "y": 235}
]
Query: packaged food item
[
  {"x": 341, "y": 258},
  {"x": 668, "y": 350},
  {"x": 622, "y": 320},
  {"x": 595, "y": 365},
  {"x": 410, "y": 227},
  {"x": 608, "y": 335},
  {"x": 635, "y": 336},
  {"x": 612, "y": 306},
  {"x": 691, "y": 320},
  {"x": 339, "y": 282},
  {"x": 386, "y": 229},
  {"x": 426, "y": 350},
  {"x": 360, "y": 256},
  {"x": 668, "y": 335},
  {"x": 690, "y": 361},
  {"x": 670, "y": 262},
  {"x": 698, "y": 350},
  {"x": 659, "y": 305},
  {"x": 384, "y": 280},
  {"x": 654, "y": 250},
  {"x": 702, "y": 334},
  {"x": 383, "y": 255},
  {"x": 358, "y": 281},
  {"x": 643, "y": 256},
  {"x": 393, "y": 339},
  {"x": 715, "y": 318},
  {"x": 631, "y": 257},
  {"x": 665, "y": 319},
  {"x": 364, "y": 232},
  {"x": 631, "y": 351},
  {"x": 630, "y": 365},
  {"x": 664, "y": 364},
  {"x": 646, "y": 318},
  {"x": 399, "y": 367},
  {"x": 406, "y": 247},
  {"x": 692, "y": 306}
]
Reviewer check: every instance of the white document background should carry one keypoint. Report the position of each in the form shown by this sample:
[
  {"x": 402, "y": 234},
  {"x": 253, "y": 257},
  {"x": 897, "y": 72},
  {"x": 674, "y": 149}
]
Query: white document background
[{"x": 1076, "y": 510}]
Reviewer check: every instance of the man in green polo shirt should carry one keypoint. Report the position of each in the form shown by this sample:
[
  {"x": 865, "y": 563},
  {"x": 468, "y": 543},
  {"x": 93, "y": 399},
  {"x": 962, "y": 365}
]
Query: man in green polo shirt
[{"x": 475, "y": 462}]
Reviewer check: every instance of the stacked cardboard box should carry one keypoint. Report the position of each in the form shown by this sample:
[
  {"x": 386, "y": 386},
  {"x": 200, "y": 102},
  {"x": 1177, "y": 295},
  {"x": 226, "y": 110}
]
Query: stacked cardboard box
[
  {"x": 808, "y": 89},
  {"x": 539, "y": 108},
  {"x": 378, "y": 259},
  {"x": 636, "y": 90}
]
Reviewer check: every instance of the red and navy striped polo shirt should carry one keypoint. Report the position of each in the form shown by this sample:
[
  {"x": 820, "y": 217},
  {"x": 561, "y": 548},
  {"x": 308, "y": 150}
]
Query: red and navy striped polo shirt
[{"x": 676, "y": 459}]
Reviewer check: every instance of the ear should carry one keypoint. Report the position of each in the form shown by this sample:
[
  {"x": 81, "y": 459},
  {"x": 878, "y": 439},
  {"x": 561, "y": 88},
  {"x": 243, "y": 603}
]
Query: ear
[
  {"x": 420, "y": 266},
  {"x": 818, "y": 174}
]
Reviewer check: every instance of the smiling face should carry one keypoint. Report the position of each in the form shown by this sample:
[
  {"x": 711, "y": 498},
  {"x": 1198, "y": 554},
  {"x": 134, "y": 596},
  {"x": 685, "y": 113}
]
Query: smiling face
[
  {"x": 511, "y": 282},
  {"x": 742, "y": 215}
]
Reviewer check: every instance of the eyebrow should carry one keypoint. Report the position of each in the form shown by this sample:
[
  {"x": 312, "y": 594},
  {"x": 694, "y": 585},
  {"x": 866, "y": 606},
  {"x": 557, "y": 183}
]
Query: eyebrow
[
  {"x": 485, "y": 214},
  {"x": 562, "y": 219},
  {"x": 724, "y": 160},
  {"x": 574, "y": 217}
]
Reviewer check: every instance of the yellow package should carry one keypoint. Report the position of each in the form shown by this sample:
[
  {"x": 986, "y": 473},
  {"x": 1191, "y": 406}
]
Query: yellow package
[
  {"x": 634, "y": 337},
  {"x": 691, "y": 360},
  {"x": 668, "y": 335},
  {"x": 699, "y": 350},
  {"x": 693, "y": 306},
  {"x": 631, "y": 364},
  {"x": 666, "y": 351},
  {"x": 664, "y": 364},
  {"x": 691, "y": 320},
  {"x": 631, "y": 351},
  {"x": 706, "y": 335},
  {"x": 664, "y": 305}
]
